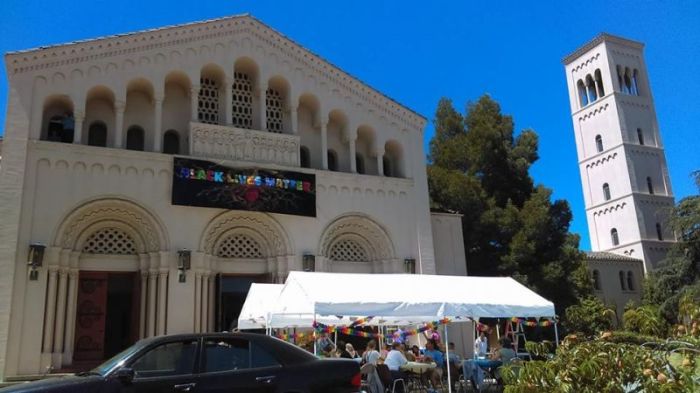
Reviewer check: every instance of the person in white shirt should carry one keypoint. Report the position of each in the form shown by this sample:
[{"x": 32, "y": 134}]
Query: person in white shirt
[
  {"x": 481, "y": 345},
  {"x": 394, "y": 360}
]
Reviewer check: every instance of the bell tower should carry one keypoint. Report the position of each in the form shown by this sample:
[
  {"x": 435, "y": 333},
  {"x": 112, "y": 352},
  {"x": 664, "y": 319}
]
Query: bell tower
[{"x": 621, "y": 158}]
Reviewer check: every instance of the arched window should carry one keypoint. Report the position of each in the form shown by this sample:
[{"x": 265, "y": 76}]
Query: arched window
[
  {"x": 360, "y": 164},
  {"x": 135, "y": 138},
  {"x": 348, "y": 250},
  {"x": 240, "y": 246},
  {"x": 596, "y": 280},
  {"x": 97, "y": 134},
  {"x": 606, "y": 191},
  {"x": 274, "y": 111},
  {"x": 650, "y": 186},
  {"x": 582, "y": 95},
  {"x": 599, "y": 143},
  {"x": 332, "y": 160},
  {"x": 386, "y": 163},
  {"x": 614, "y": 237},
  {"x": 628, "y": 82},
  {"x": 61, "y": 128},
  {"x": 635, "y": 83},
  {"x": 599, "y": 83},
  {"x": 208, "y": 111},
  {"x": 640, "y": 136},
  {"x": 659, "y": 232},
  {"x": 623, "y": 285},
  {"x": 304, "y": 157},
  {"x": 630, "y": 281},
  {"x": 243, "y": 100},
  {"x": 590, "y": 87},
  {"x": 620, "y": 80},
  {"x": 171, "y": 142},
  {"x": 110, "y": 241}
]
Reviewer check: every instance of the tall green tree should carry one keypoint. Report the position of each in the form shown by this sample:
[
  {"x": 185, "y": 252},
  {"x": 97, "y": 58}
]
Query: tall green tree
[{"x": 480, "y": 168}]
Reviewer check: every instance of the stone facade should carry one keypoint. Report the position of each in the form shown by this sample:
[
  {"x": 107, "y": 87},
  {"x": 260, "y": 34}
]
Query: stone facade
[
  {"x": 617, "y": 279},
  {"x": 87, "y": 171},
  {"x": 625, "y": 179}
]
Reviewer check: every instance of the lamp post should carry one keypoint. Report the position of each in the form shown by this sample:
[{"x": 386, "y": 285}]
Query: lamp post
[
  {"x": 308, "y": 263},
  {"x": 409, "y": 266},
  {"x": 35, "y": 260},
  {"x": 184, "y": 258}
]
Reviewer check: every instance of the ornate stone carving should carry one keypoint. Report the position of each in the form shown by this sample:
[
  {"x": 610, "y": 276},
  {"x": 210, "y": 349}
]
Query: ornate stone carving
[
  {"x": 271, "y": 231},
  {"x": 237, "y": 144},
  {"x": 360, "y": 227}
]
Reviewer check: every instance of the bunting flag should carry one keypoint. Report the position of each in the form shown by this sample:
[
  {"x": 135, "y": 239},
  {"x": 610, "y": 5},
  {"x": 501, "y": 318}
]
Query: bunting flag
[
  {"x": 528, "y": 323},
  {"x": 355, "y": 330}
]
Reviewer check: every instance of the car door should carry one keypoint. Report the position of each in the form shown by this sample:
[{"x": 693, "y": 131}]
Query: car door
[
  {"x": 233, "y": 364},
  {"x": 165, "y": 368}
]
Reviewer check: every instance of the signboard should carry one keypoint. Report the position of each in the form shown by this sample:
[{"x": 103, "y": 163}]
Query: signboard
[{"x": 206, "y": 184}]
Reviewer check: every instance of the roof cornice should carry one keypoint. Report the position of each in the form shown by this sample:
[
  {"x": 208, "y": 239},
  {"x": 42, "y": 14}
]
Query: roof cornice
[
  {"x": 600, "y": 38},
  {"x": 37, "y": 59}
]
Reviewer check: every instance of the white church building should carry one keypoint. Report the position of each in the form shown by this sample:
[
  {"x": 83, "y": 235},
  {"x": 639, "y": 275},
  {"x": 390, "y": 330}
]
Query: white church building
[
  {"x": 626, "y": 186},
  {"x": 148, "y": 178}
]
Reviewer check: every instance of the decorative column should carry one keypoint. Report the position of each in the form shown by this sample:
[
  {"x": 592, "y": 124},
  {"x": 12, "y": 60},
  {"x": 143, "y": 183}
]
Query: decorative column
[
  {"x": 293, "y": 114},
  {"x": 324, "y": 145},
  {"x": 60, "y": 313},
  {"x": 143, "y": 304},
  {"x": 205, "y": 302},
  {"x": 353, "y": 161},
  {"x": 158, "y": 123},
  {"x": 119, "y": 107},
  {"x": 212, "y": 303},
  {"x": 50, "y": 310},
  {"x": 162, "y": 301},
  {"x": 262, "y": 96},
  {"x": 197, "y": 300},
  {"x": 151, "y": 321},
  {"x": 227, "y": 113},
  {"x": 194, "y": 103},
  {"x": 380, "y": 162},
  {"x": 70, "y": 316},
  {"x": 79, "y": 118}
]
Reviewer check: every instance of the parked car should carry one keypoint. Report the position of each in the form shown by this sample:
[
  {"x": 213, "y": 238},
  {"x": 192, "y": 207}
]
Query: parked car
[{"x": 209, "y": 363}]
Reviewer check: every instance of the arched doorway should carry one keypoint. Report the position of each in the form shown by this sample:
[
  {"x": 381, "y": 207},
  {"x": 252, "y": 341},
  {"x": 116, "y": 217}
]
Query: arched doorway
[{"x": 107, "y": 290}]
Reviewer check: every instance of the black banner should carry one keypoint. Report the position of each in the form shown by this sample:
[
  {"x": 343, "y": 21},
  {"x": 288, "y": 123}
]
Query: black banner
[{"x": 206, "y": 184}]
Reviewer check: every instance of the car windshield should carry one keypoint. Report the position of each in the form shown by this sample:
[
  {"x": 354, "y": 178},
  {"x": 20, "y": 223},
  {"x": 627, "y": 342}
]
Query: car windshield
[{"x": 115, "y": 361}]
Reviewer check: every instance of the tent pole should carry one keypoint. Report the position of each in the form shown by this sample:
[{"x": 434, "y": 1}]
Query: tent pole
[
  {"x": 556, "y": 333},
  {"x": 449, "y": 362}
]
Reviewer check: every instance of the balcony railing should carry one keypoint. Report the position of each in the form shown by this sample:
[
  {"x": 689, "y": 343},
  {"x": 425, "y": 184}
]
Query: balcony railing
[{"x": 237, "y": 144}]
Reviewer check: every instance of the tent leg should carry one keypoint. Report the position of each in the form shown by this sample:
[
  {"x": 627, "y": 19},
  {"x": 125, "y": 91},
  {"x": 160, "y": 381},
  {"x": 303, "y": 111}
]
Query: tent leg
[
  {"x": 447, "y": 355},
  {"x": 556, "y": 333}
]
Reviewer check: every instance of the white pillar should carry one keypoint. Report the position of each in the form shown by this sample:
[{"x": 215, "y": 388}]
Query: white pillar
[
  {"x": 227, "y": 112},
  {"x": 324, "y": 145},
  {"x": 143, "y": 304},
  {"x": 353, "y": 161},
  {"x": 158, "y": 123},
  {"x": 162, "y": 301},
  {"x": 205, "y": 302},
  {"x": 380, "y": 162},
  {"x": 197, "y": 300},
  {"x": 194, "y": 103},
  {"x": 212, "y": 302},
  {"x": 293, "y": 119},
  {"x": 50, "y": 310},
  {"x": 119, "y": 108},
  {"x": 70, "y": 316},
  {"x": 79, "y": 117},
  {"x": 60, "y": 313},
  {"x": 262, "y": 96},
  {"x": 151, "y": 321}
]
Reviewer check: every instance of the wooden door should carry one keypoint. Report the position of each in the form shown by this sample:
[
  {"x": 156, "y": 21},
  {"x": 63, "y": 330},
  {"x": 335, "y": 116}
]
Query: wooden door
[{"x": 90, "y": 319}]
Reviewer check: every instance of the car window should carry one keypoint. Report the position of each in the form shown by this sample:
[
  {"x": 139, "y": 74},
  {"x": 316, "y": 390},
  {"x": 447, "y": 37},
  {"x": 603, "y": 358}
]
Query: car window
[
  {"x": 261, "y": 357},
  {"x": 227, "y": 354},
  {"x": 175, "y": 358}
]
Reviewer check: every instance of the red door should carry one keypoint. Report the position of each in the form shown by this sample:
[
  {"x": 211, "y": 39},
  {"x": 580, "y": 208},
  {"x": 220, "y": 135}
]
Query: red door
[{"x": 90, "y": 318}]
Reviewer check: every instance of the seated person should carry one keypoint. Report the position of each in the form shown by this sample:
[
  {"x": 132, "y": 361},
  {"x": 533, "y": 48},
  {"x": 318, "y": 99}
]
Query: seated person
[
  {"x": 394, "y": 360},
  {"x": 416, "y": 352},
  {"x": 453, "y": 356},
  {"x": 432, "y": 354},
  {"x": 505, "y": 354}
]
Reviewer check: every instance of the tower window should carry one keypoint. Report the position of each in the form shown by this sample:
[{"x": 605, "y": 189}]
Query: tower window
[
  {"x": 135, "y": 138},
  {"x": 614, "y": 237},
  {"x": 630, "y": 281},
  {"x": 606, "y": 191},
  {"x": 332, "y": 160},
  {"x": 360, "y": 164},
  {"x": 590, "y": 87},
  {"x": 640, "y": 136},
  {"x": 650, "y": 186},
  {"x": 171, "y": 142},
  {"x": 628, "y": 82},
  {"x": 623, "y": 285},
  {"x": 635, "y": 85},
  {"x": 596, "y": 280},
  {"x": 61, "y": 128},
  {"x": 97, "y": 134},
  {"x": 599, "y": 143},
  {"x": 386, "y": 163},
  {"x": 242, "y": 101},
  {"x": 208, "y": 102},
  {"x": 304, "y": 157},
  {"x": 582, "y": 95},
  {"x": 274, "y": 110},
  {"x": 659, "y": 233},
  {"x": 599, "y": 83}
]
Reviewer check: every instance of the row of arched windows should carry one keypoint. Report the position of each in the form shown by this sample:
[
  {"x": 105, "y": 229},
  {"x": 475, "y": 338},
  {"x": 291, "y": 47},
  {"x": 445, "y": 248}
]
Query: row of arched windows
[
  {"x": 607, "y": 195},
  {"x": 590, "y": 88},
  {"x": 626, "y": 280},
  {"x": 615, "y": 237},
  {"x": 628, "y": 80},
  {"x": 599, "y": 140}
]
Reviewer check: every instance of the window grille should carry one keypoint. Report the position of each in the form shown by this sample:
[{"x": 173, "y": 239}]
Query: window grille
[
  {"x": 273, "y": 105},
  {"x": 111, "y": 241},
  {"x": 240, "y": 246},
  {"x": 348, "y": 251},
  {"x": 208, "y": 101},
  {"x": 242, "y": 101}
]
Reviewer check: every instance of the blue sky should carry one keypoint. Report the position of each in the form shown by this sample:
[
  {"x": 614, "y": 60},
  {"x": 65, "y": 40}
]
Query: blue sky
[{"x": 417, "y": 53}]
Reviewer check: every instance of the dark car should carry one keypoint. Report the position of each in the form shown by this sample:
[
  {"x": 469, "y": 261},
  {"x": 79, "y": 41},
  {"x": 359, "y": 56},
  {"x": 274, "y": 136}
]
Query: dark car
[{"x": 208, "y": 363}]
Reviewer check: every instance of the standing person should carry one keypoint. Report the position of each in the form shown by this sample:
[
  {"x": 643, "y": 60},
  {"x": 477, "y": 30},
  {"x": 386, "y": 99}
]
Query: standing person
[
  {"x": 323, "y": 342},
  {"x": 432, "y": 334},
  {"x": 371, "y": 354},
  {"x": 394, "y": 360},
  {"x": 481, "y": 345}
]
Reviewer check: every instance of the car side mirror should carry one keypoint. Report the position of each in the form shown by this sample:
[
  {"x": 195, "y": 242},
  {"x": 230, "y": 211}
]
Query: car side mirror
[{"x": 125, "y": 375}]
